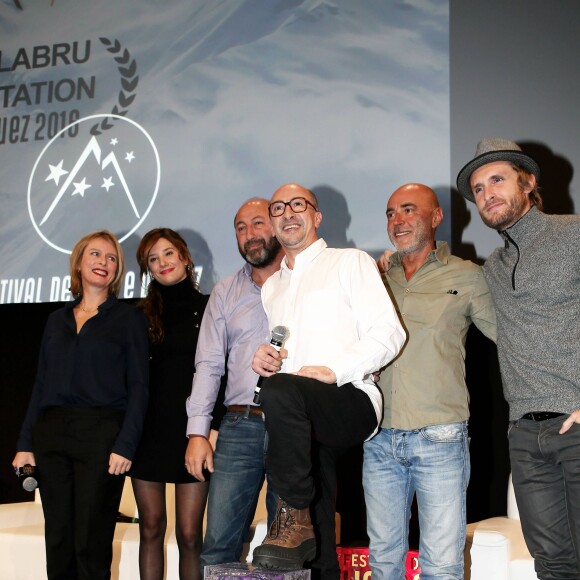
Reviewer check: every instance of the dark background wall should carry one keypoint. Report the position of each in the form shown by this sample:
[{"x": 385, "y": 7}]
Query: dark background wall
[{"x": 514, "y": 73}]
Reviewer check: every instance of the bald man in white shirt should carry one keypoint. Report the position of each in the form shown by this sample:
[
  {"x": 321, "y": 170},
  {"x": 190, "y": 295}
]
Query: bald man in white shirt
[{"x": 320, "y": 397}]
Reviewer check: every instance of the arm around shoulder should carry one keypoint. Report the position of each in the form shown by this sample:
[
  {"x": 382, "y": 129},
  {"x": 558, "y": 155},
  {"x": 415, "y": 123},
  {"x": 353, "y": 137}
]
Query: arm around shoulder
[{"x": 482, "y": 308}]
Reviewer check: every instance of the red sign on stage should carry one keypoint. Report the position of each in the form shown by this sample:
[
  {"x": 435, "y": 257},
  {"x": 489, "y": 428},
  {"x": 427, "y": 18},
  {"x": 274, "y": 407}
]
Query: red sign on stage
[{"x": 355, "y": 564}]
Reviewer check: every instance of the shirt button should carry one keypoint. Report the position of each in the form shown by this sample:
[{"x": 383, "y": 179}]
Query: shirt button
[
  {"x": 407, "y": 290},
  {"x": 396, "y": 365}
]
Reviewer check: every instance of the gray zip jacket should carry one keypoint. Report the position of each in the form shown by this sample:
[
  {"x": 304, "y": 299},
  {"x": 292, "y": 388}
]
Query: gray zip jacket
[{"x": 535, "y": 284}]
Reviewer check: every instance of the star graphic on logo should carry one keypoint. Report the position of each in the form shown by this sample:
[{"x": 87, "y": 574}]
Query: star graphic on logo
[
  {"x": 81, "y": 187},
  {"x": 130, "y": 156},
  {"x": 108, "y": 183},
  {"x": 56, "y": 172},
  {"x": 114, "y": 141}
]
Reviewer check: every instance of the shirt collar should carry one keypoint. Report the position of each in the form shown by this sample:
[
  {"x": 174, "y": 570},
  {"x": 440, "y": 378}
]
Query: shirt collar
[
  {"x": 305, "y": 257},
  {"x": 247, "y": 272},
  {"x": 106, "y": 305},
  {"x": 526, "y": 228}
]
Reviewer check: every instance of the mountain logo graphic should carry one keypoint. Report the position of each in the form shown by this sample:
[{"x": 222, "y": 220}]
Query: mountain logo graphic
[{"x": 82, "y": 182}]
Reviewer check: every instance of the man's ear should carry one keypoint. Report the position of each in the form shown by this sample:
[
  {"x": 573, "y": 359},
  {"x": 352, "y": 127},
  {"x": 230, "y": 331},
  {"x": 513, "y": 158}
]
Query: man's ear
[
  {"x": 437, "y": 217},
  {"x": 317, "y": 219},
  {"x": 531, "y": 183}
]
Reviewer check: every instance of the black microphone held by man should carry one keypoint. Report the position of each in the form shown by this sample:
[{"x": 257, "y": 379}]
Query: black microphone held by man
[{"x": 279, "y": 336}]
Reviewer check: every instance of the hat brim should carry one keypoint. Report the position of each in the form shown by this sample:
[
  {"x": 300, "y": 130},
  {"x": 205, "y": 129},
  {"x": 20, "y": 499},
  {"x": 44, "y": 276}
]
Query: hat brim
[{"x": 516, "y": 157}]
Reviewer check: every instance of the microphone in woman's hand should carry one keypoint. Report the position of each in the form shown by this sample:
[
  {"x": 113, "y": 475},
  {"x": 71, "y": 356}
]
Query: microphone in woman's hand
[{"x": 28, "y": 477}]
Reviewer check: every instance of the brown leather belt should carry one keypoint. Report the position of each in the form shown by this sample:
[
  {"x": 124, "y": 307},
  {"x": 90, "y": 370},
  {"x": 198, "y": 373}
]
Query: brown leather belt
[
  {"x": 541, "y": 415},
  {"x": 249, "y": 409}
]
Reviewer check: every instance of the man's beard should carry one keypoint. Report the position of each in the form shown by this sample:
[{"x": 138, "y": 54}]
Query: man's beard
[
  {"x": 510, "y": 214},
  {"x": 421, "y": 237},
  {"x": 263, "y": 256}
]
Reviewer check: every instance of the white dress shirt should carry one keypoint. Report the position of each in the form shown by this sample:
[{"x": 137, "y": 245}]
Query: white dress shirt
[{"x": 339, "y": 315}]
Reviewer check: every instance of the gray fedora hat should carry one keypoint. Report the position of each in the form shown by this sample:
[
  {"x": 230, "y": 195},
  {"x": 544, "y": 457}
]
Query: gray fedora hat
[{"x": 488, "y": 151}]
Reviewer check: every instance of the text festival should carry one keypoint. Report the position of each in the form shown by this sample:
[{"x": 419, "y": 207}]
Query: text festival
[{"x": 29, "y": 290}]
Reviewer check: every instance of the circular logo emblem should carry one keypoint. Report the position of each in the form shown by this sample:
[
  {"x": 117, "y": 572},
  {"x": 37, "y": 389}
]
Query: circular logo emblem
[{"x": 82, "y": 181}]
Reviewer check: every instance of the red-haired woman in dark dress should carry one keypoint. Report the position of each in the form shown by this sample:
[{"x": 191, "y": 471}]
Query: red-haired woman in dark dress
[{"x": 174, "y": 308}]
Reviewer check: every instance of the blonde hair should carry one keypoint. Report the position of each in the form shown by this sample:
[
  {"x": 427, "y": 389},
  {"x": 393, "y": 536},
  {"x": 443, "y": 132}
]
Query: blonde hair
[
  {"x": 76, "y": 284},
  {"x": 524, "y": 182}
]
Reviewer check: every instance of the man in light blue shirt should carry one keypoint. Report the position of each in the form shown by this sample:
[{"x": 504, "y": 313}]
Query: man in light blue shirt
[{"x": 233, "y": 326}]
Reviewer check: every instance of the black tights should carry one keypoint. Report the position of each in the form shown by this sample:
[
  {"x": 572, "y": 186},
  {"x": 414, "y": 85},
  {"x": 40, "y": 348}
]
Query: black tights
[{"x": 190, "y": 500}]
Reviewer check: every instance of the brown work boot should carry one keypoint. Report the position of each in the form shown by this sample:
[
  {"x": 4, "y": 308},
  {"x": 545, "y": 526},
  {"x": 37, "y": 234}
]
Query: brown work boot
[{"x": 290, "y": 541}]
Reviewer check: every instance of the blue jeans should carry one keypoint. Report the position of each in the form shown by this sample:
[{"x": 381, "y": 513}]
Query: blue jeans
[
  {"x": 433, "y": 463},
  {"x": 546, "y": 476},
  {"x": 235, "y": 484}
]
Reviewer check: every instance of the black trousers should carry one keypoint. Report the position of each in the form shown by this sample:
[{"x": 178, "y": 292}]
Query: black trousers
[
  {"x": 546, "y": 476},
  {"x": 309, "y": 425},
  {"x": 80, "y": 499}
]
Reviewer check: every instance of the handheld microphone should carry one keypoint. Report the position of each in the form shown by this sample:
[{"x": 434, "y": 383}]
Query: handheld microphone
[
  {"x": 28, "y": 477},
  {"x": 279, "y": 335}
]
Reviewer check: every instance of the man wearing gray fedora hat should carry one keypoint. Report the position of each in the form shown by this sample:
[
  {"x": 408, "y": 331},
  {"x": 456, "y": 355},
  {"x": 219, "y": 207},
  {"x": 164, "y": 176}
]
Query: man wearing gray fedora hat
[{"x": 534, "y": 280}]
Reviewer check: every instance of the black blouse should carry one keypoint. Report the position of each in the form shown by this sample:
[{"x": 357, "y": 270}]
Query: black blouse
[{"x": 105, "y": 365}]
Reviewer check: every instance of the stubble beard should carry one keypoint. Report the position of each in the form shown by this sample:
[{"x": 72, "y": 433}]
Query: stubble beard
[
  {"x": 421, "y": 236},
  {"x": 510, "y": 213}
]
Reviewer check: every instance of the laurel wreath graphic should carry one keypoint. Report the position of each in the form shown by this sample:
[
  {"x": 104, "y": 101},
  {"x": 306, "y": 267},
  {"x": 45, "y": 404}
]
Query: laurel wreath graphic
[{"x": 129, "y": 80}]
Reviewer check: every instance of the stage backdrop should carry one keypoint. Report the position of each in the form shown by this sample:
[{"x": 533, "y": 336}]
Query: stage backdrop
[{"x": 137, "y": 114}]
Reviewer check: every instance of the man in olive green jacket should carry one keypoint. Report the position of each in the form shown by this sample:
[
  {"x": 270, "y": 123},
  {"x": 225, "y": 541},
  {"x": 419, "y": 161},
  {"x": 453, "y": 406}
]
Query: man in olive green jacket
[{"x": 422, "y": 447}]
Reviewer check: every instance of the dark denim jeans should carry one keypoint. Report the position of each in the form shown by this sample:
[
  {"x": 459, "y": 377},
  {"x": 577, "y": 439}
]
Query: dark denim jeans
[
  {"x": 546, "y": 476},
  {"x": 239, "y": 471}
]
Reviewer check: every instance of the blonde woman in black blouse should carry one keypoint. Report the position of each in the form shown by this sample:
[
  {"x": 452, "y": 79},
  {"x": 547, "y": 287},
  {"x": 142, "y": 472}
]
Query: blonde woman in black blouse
[{"x": 86, "y": 413}]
